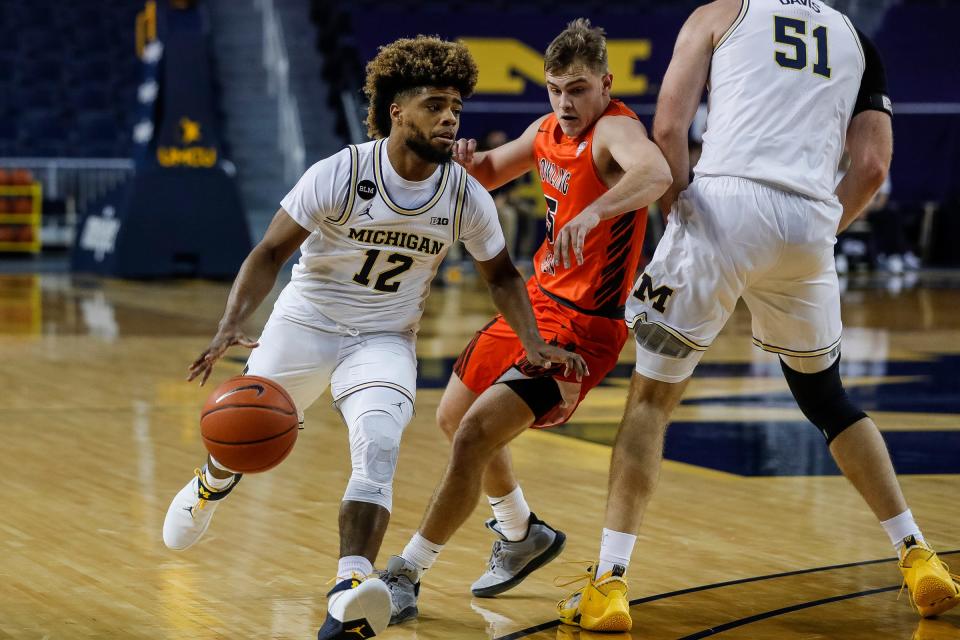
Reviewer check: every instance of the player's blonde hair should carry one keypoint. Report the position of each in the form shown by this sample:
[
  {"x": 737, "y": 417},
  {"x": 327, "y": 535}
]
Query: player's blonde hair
[
  {"x": 580, "y": 43},
  {"x": 410, "y": 64}
]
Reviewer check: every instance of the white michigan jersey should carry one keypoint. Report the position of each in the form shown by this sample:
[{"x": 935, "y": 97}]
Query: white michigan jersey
[
  {"x": 377, "y": 239},
  {"x": 783, "y": 84}
]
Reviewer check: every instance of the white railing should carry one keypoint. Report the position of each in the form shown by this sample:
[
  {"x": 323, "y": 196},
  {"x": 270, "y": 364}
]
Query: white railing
[
  {"x": 78, "y": 181},
  {"x": 277, "y": 64}
]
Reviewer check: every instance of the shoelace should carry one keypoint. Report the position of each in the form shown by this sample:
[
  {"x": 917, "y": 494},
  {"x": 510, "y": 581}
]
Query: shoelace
[
  {"x": 201, "y": 502},
  {"x": 496, "y": 557},
  {"x": 354, "y": 575},
  {"x": 584, "y": 576},
  {"x": 203, "y": 489}
]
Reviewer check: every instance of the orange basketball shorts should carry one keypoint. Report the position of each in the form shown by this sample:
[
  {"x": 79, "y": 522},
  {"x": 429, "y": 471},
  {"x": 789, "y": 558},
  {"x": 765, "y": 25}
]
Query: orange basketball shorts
[{"x": 496, "y": 355}]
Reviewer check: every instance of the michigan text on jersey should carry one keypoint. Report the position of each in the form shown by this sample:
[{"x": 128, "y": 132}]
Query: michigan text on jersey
[{"x": 412, "y": 241}]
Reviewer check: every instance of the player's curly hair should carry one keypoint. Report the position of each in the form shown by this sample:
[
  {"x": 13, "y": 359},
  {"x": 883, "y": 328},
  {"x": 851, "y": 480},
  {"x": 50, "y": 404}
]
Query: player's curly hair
[
  {"x": 409, "y": 64},
  {"x": 580, "y": 42}
]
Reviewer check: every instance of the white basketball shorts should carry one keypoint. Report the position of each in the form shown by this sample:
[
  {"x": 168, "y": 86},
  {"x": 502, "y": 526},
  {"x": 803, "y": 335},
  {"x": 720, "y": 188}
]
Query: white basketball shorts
[
  {"x": 305, "y": 351},
  {"x": 728, "y": 238}
]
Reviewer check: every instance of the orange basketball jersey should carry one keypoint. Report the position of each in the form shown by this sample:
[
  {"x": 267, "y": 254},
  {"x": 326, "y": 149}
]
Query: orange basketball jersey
[{"x": 612, "y": 249}]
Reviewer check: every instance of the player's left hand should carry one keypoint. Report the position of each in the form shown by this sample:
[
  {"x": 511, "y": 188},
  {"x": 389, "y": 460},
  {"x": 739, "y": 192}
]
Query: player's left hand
[
  {"x": 544, "y": 355},
  {"x": 572, "y": 236}
]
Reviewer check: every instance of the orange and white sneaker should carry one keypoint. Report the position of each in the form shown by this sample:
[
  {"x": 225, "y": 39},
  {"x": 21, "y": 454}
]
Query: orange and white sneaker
[
  {"x": 933, "y": 589},
  {"x": 600, "y": 605}
]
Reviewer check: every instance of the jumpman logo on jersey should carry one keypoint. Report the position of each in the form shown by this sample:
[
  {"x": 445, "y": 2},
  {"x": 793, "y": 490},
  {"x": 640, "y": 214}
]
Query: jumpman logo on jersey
[
  {"x": 358, "y": 630},
  {"x": 366, "y": 212}
]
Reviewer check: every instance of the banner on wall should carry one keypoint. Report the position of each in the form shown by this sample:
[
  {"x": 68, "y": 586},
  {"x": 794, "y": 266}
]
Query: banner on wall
[
  {"x": 180, "y": 214},
  {"x": 914, "y": 41}
]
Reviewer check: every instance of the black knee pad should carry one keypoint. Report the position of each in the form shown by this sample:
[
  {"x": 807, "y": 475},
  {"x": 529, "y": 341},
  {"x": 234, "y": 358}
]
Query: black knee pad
[{"x": 823, "y": 400}]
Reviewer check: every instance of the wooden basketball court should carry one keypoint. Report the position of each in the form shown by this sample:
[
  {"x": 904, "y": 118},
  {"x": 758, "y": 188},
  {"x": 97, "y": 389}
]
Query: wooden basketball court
[{"x": 752, "y": 534}]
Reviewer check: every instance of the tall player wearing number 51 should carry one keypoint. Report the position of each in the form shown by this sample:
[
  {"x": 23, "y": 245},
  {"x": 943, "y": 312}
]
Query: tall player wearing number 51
[{"x": 373, "y": 222}]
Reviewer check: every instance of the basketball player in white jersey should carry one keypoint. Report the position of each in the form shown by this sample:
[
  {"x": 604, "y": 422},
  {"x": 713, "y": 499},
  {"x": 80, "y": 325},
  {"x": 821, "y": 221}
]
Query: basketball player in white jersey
[
  {"x": 791, "y": 84},
  {"x": 373, "y": 223}
]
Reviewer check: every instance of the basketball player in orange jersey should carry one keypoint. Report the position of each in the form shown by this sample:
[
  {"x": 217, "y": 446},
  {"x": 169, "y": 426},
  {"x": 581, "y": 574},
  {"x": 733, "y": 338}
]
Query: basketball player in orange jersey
[
  {"x": 373, "y": 223},
  {"x": 595, "y": 160}
]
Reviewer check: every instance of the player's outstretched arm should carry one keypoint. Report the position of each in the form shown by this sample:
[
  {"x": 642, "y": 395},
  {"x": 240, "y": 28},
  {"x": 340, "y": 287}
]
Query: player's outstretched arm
[
  {"x": 683, "y": 86},
  {"x": 497, "y": 167},
  {"x": 646, "y": 175},
  {"x": 256, "y": 278},
  {"x": 510, "y": 296}
]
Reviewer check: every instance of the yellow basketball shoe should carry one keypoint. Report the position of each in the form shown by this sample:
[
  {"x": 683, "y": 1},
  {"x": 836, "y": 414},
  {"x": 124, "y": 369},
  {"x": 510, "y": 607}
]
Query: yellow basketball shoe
[
  {"x": 933, "y": 589},
  {"x": 600, "y": 605}
]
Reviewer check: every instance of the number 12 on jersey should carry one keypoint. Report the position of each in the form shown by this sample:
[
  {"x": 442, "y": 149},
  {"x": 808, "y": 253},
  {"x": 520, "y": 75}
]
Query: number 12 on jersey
[
  {"x": 787, "y": 31},
  {"x": 382, "y": 284}
]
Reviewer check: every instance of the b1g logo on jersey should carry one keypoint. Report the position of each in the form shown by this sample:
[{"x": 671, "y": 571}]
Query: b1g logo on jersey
[
  {"x": 366, "y": 189},
  {"x": 657, "y": 295},
  {"x": 439, "y": 221}
]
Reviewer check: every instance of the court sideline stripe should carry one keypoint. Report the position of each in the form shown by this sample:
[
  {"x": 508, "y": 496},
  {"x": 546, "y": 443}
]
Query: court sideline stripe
[
  {"x": 779, "y": 612},
  {"x": 717, "y": 585}
]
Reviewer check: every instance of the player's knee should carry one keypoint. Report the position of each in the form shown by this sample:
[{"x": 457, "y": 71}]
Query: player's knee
[
  {"x": 472, "y": 438},
  {"x": 822, "y": 398},
  {"x": 375, "y": 446},
  {"x": 374, "y": 450},
  {"x": 447, "y": 421}
]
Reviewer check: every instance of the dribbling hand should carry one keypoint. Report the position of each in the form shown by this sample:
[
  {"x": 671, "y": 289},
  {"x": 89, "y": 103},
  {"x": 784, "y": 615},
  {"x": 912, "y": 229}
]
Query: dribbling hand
[{"x": 203, "y": 366}]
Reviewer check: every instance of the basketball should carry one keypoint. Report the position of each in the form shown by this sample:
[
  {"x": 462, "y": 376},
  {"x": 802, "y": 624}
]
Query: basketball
[{"x": 249, "y": 424}]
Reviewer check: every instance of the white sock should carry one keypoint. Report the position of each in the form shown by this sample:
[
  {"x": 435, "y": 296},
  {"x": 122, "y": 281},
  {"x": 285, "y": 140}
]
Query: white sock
[
  {"x": 615, "y": 548},
  {"x": 512, "y": 514},
  {"x": 348, "y": 565},
  {"x": 214, "y": 482},
  {"x": 900, "y": 527},
  {"x": 421, "y": 553}
]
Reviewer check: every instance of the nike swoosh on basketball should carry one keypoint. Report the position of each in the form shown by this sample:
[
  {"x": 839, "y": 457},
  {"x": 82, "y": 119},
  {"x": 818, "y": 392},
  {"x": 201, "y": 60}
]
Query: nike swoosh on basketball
[{"x": 258, "y": 387}]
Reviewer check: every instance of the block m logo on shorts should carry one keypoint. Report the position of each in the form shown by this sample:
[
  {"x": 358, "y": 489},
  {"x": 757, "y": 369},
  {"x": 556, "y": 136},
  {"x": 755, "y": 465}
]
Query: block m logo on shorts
[{"x": 657, "y": 296}]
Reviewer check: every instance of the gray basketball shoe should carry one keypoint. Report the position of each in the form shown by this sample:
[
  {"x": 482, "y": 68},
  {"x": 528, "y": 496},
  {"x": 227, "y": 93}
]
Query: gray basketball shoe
[
  {"x": 511, "y": 562},
  {"x": 401, "y": 579}
]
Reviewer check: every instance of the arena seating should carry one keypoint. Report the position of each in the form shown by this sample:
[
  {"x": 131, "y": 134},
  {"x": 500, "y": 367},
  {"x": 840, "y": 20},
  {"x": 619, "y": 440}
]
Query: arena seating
[{"x": 68, "y": 77}]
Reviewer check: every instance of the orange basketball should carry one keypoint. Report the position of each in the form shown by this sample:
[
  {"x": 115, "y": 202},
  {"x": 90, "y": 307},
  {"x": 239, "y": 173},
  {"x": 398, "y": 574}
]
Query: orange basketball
[{"x": 249, "y": 424}]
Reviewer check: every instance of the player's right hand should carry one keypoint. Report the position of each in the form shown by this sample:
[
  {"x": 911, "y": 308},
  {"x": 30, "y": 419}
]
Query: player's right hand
[
  {"x": 225, "y": 338},
  {"x": 463, "y": 151}
]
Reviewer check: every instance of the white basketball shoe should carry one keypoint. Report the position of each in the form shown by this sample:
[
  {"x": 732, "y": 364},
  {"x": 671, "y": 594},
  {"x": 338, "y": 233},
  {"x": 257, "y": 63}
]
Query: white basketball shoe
[
  {"x": 192, "y": 509},
  {"x": 358, "y": 607}
]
